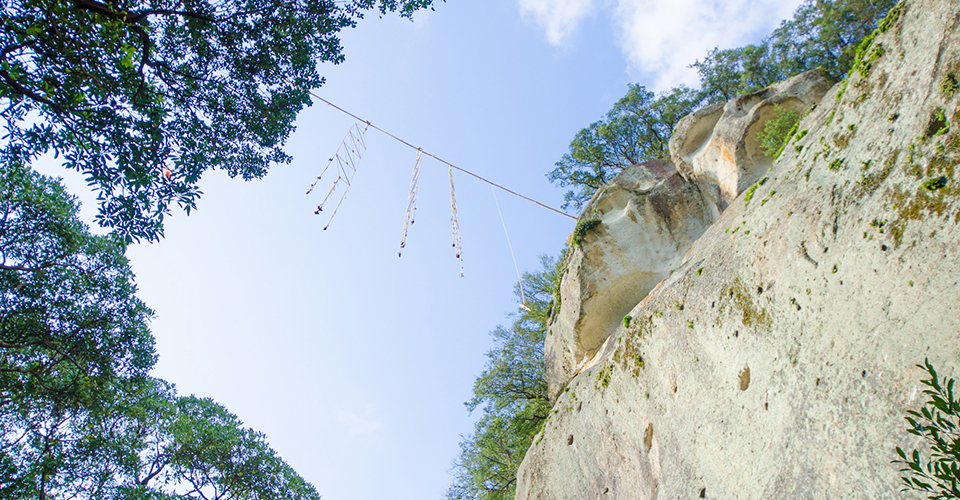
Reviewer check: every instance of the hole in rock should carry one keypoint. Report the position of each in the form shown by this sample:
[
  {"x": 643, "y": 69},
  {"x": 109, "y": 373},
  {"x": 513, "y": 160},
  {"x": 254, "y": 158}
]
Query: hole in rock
[{"x": 745, "y": 378}]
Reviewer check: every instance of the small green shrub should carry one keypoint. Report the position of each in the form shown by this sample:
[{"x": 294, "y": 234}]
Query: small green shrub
[
  {"x": 777, "y": 130},
  {"x": 626, "y": 321},
  {"x": 938, "y": 422},
  {"x": 753, "y": 189},
  {"x": 949, "y": 85},
  {"x": 843, "y": 89},
  {"x": 582, "y": 227},
  {"x": 603, "y": 377},
  {"x": 938, "y": 124},
  {"x": 893, "y": 15}
]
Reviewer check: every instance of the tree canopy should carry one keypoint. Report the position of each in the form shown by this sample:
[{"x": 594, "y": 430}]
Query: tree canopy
[
  {"x": 822, "y": 34},
  {"x": 143, "y": 96},
  {"x": 79, "y": 415},
  {"x": 637, "y": 129},
  {"x": 512, "y": 392}
]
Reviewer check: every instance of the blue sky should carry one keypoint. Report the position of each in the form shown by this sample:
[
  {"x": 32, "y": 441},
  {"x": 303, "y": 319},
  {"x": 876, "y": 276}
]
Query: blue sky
[{"x": 355, "y": 362}]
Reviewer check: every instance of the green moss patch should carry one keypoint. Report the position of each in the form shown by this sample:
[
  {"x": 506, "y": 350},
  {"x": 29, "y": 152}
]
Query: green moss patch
[
  {"x": 583, "y": 227},
  {"x": 628, "y": 354},
  {"x": 870, "y": 181},
  {"x": 931, "y": 199},
  {"x": 949, "y": 85},
  {"x": 937, "y": 125},
  {"x": 752, "y": 314},
  {"x": 935, "y": 183},
  {"x": 753, "y": 189}
]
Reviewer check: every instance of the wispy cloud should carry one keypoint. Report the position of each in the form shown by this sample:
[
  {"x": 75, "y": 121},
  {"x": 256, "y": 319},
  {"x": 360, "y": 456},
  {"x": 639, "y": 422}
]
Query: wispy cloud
[
  {"x": 559, "y": 18},
  {"x": 359, "y": 422},
  {"x": 661, "y": 38}
]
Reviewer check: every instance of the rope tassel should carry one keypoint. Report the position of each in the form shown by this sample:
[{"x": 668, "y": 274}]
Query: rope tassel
[
  {"x": 411, "y": 202},
  {"x": 347, "y": 158},
  {"x": 453, "y": 220}
]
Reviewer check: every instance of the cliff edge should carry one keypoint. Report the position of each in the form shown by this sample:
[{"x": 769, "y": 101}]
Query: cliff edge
[{"x": 775, "y": 355}]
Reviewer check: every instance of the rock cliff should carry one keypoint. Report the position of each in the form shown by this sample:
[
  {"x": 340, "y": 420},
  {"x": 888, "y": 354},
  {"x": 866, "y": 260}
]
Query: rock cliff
[{"x": 758, "y": 338}]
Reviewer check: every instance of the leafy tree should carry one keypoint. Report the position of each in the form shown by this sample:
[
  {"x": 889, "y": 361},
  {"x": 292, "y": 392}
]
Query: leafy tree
[
  {"x": 66, "y": 297},
  {"x": 777, "y": 130},
  {"x": 193, "y": 448},
  {"x": 512, "y": 392},
  {"x": 822, "y": 34},
  {"x": 635, "y": 130},
  {"x": 143, "y": 96},
  {"x": 938, "y": 423},
  {"x": 726, "y": 74},
  {"x": 79, "y": 416},
  {"x": 70, "y": 326}
]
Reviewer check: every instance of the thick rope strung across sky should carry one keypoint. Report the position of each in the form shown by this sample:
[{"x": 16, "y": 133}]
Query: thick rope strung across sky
[
  {"x": 348, "y": 155},
  {"x": 451, "y": 165}
]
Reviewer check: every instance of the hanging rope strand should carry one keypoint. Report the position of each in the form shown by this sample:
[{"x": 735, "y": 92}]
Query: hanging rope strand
[
  {"x": 347, "y": 157},
  {"x": 453, "y": 220},
  {"x": 352, "y": 136},
  {"x": 523, "y": 298},
  {"x": 388, "y": 134},
  {"x": 411, "y": 203}
]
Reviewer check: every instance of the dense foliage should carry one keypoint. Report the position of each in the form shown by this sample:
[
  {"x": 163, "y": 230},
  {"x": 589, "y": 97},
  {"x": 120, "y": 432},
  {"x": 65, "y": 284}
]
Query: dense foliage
[
  {"x": 512, "y": 392},
  {"x": 143, "y": 96},
  {"x": 938, "y": 423},
  {"x": 636, "y": 129},
  {"x": 777, "y": 130},
  {"x": 822, "y": 34},
  {"x": 79, "y": 416}
]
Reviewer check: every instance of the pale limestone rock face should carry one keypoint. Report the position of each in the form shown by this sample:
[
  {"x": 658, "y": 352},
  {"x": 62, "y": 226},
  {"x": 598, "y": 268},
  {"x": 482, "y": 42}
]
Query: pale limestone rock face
[
  {"x": 648, "y": 218},
  {"x": 779, "y": 360},
  {"x": 717, "y": 147}
]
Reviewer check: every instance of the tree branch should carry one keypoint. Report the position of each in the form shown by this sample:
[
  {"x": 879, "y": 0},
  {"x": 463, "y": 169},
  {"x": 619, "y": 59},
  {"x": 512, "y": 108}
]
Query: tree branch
[
  {"x": 20, "y": 89},
  {"x": 48, "y": 265},
  {"x": 139, "y": 16}
]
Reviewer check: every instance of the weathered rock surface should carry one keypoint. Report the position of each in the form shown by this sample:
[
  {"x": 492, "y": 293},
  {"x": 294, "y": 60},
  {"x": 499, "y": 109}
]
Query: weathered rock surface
[
  {"x": 717, "y": 147},
  {"x": 650, "y": 216},
  {"x": 779, "y": 360},
  {"x": 643, "y": 222}
]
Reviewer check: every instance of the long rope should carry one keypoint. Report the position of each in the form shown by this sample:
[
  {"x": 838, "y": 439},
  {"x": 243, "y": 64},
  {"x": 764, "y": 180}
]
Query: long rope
[
  {"x": 491, "y": 183},
  {"x": 523, "y": 299}
]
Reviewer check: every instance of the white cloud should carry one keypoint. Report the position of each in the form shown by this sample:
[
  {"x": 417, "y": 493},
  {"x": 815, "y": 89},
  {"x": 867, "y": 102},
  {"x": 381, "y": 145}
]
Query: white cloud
[
  {"x": 359, "y": 422},
  {"x": 660, "y": 39},
  {"x": 559, "y": 18}
]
